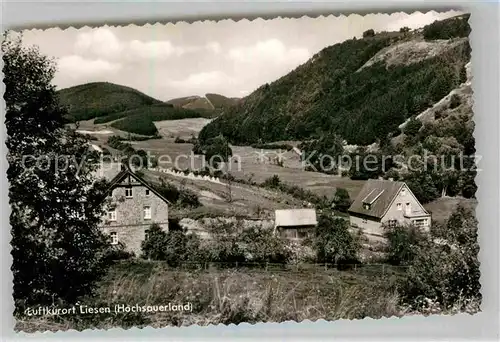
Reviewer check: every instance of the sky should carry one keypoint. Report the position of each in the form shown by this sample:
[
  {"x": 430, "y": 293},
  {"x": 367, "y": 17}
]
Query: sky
[{"x": 167, "y": 61}]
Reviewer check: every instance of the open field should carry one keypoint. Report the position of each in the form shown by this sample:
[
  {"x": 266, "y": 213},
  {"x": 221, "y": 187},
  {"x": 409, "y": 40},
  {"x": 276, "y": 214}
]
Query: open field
[
  {"x": 246, "y": 200},
  {"x": 181, "y": 128},
  {"x": 230, "y": 296},
  {"x": 442, "y": 208},
  {"x": 248, "y": 163}
]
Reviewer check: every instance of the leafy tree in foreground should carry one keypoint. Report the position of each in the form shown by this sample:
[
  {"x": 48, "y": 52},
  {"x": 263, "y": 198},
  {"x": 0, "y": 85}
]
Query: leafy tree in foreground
[
  {"x": 403, "y": 243},
  {"x": 57, "y": 248},
  {"x": 447, "y": 271},
  {"x": 334, "y": 243}
]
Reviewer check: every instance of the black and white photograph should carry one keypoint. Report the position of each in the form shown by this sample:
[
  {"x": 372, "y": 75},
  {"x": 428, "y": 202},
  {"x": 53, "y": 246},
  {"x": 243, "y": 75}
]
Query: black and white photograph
[{"x": 251, "y": 171}]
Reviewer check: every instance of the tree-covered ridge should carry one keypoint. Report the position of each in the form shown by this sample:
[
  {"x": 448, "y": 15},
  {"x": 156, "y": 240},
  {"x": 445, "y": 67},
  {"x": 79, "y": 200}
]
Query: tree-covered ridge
[
  {"x": 327, "y": 95},
  {"x": 141, "y": 120},
  {"x": 211, "y": 102},
  {"x": 448, "y": 28},
  {"x": 96, "y": 99}
]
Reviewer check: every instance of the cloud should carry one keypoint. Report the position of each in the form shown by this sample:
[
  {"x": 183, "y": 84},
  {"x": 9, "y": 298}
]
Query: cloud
[
  {"x": 202, "y": 81},
  {"x": 77, "y": 67},
  {"x": 419, "y": 19},
  {"x": 269, "y": 51},
  {"x": 100, "y": 42},
  {"x": 213, "y": 47},
  {"x": 153, "y": 49},
  {"x": 104, "y": 44}
]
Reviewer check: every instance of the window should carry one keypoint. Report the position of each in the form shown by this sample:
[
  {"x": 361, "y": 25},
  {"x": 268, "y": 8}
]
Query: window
[
  {"x": 147, "y": 192},
  {"x": 364, "y": 221},
  {"x": 398, "y": 205},
  {"x": 114, "y": 238},
  {"x": 408, "y": 206},
  {"x": 403, "y": 192},
  {"x": 112, "y": 214},
  {"x": 128, "y": 192},
  {"x": 147, "y": 212},
  {"x": 420, "y": 223},
  {"x": 393, "y": 223}
]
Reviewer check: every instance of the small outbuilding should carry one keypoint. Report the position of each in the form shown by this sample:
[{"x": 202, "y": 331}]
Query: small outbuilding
[{"x": 295, "y": 224}]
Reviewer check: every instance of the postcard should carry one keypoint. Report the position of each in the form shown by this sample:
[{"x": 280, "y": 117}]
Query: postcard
[{"x": 225, "y": 172}]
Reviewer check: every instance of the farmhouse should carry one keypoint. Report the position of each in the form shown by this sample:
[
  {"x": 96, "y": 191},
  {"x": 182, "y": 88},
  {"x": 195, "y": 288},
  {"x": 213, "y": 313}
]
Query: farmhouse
[
  {"x": 386, "y": 202},
  {"x": 134, "y": 206},
  {"x": 295, "y": 224}
]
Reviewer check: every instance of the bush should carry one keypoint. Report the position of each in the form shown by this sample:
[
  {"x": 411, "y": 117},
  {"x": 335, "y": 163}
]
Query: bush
[
  {"x": 272, "y": 182},
  {"x": 447, "y": 272},
  {"x": 342, "y": 200},
  {"x": 117, "y": 252},
  {"x": 334, "y": 243},
  {"x": 403, "y": 243},
  {"x": 224, "y": 245},
  {"x": 262, "y": 245},
  {"x": 154, "y": 245},
  {"x": 183, "y": 198},
  {"x": 174, "y": 247},
  {"x": 412, "y": 127}
]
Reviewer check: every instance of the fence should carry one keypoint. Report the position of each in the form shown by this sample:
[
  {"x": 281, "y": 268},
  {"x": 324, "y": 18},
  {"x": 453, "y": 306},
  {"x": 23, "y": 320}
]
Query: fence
[{"x": 364, "y": 269}]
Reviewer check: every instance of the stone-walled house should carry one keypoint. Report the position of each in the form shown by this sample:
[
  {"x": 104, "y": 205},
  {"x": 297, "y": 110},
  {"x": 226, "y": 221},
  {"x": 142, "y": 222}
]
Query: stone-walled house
[
  {"x": 295, "y": 224},
  {"x": 134, "y": 206},
  {"x": 386, "y": 202}
]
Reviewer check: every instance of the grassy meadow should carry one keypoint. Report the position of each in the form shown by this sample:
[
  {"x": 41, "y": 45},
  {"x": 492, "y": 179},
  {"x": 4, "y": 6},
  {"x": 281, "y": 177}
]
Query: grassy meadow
[{"x": 232, "y": 296}]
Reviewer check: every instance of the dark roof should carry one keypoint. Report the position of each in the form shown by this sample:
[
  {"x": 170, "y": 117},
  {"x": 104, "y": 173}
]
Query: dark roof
[
  {"x": 379, "y": 194},
  {"x": 125, "y": 172}
]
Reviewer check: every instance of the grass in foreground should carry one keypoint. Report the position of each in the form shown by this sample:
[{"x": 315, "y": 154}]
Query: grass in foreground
[{"x": 229, "y": 296}]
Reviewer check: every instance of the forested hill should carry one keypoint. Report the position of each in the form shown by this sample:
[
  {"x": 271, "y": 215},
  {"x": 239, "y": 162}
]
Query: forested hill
[
  {"x": 360, "y": 89},
  {"x": 98, "y": 99}
]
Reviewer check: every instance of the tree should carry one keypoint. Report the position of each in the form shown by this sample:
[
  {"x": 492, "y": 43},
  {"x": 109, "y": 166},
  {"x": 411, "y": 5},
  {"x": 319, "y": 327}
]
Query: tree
[
  {"x": 412, "y": 127},
  {"x": 154, "y": 245},
  {"x": 404, "y": 29},
  {"x": 403, "y": 243},
  {"x": 334, "y": 243},
  {"x": 58, "y": 250},
  {"x": 216, "y": 150},
  {"x": 422, "y": 185},
  {"x": 447, "y": 271},
  {"x": 342, "y": 200},
  {"x": 369, "y": 33}
]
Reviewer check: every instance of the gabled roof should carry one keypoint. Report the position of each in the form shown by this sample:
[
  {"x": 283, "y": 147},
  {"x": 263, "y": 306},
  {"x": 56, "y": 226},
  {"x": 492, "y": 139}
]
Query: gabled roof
[
  {"x": 127, "y": 172},
  {"x": 378, "y": 194},
  {"x": 295, "y": 217}
]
